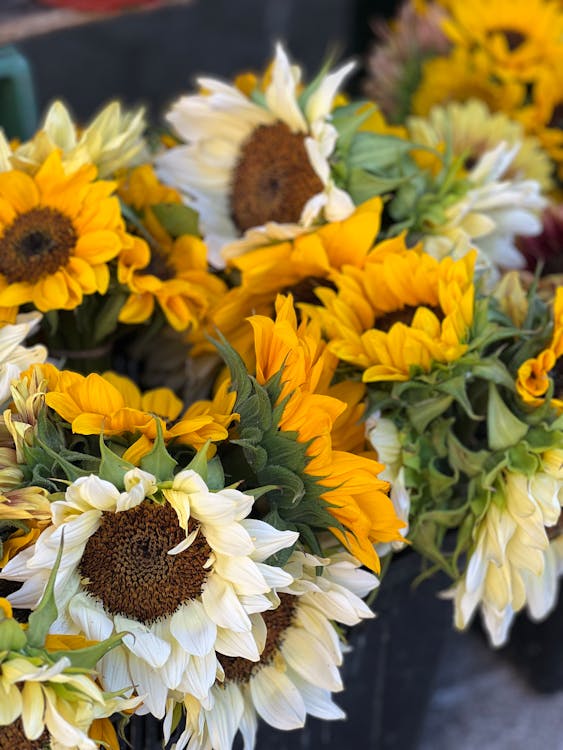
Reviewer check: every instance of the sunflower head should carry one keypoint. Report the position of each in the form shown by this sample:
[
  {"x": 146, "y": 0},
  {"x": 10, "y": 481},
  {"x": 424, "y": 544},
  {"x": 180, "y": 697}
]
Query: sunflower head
[
  {"x": 405, "y": 310},
  {"x": 57, "y": 234}
]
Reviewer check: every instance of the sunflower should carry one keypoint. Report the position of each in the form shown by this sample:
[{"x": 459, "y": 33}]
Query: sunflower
[
  {"x": 404, "y": 310},
  {"x": 57, "y": 233},
  {"x": 512, "y": 547},
  {"x": 112, "y": 141},
  {"x": 175, "y": 279},
  {"x": 176, "y": 566},
  {"x": 465, "y": 74},
  {"x": 470, "y": 130},
  {"x": 114, "y": 405},
  {"x": 349, "y": 484},
  {"x": 536, "y": 374},
  {"x": 248, "y": 164},
  {"x": 521, "y": 37},
  {"x": 542, "y": 114},
  {"x": 298, "y": 665},
  {"x": 46, "y": 701}
]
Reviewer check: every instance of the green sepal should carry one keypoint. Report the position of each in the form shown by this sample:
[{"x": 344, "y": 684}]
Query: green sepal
[
  {"x": 215, "y": 475},
  {"x": 257, "y": 492},
  {"x": 469, "y": 462},
  {"x": 493, "y": 370},
  {"x": 177, "y": 219},
  {"x": 424, "y": 412},
  {"x": 504, "y": 429},
  {"x": 199, "y": 462},
  {"x": 41, "y": 619},
  {"x": 89, "y": 656},
  {"x": 107, "y": 317},
  {"x": 158, "y": 461},
  {"x": 12, "y": 635},
  {"x": 112, "y": 467},
  {"x": 520, "y": 459},
  {"x": 347, "y": 121},
  {"x": 456, "y": 387}
]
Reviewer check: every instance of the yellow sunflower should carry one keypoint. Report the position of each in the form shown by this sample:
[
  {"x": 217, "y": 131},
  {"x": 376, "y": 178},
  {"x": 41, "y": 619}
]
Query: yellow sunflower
[
  {"x": 465, "y": 74},
  {"x": 57, "y": 234},
  {"x": 520, "y": 36},
  {"x": 176, "y": 279},
  {"x": 356, "y": 497},
  {"x": 535, "y": 374},
  {"x": 403, "y": 310},
  {"x": 114, "y": 405}
]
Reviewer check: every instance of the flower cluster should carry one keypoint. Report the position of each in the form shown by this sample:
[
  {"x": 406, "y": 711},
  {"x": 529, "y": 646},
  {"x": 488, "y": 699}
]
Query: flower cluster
[{"x": 270, "y": 348}]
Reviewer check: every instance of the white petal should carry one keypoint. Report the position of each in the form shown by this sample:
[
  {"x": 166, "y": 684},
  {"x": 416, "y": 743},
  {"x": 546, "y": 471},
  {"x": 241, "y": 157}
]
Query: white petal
[
  {"x": 223, "y": 606},
  {"x": 89, "y": 615},
  {"x": 115, "y": 671},
  {"x": 277, "y": 700},
  {"x": 318, "y": 702},
  {"x": 200, "y": 676},
  {"x": 237, "y": 644},
  {"x": 142, "y": 642},
  {"x": 281, "y": 93},
  {"x": 308, "y": 657},
  {"x": 149, "y": 682},
  {"x": 229, "y": 539},
  {"x": 223, "y": 720},
  {"x": 193, "y": 629},
  {"x": 320, "y": 102},
  {"x": 266, "y": 539},
  {"x": 243, "y": 573}
]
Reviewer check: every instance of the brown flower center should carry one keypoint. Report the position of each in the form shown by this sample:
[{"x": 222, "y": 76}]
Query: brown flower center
[
  {"x": 126, "y": 564},
  {"x": 160, "y": 265},
  {"x": 304, "y": 290},
  {"x": 36, "y": 244},
  {"x": 556, "y": 120},
  {"x": 404, "y": 315},
  {"x": 12, "y": 737},
  {"x": 273, "y": 179},
  {"x": 277, "y": 622},
  {"x": 514, "y": 39}
]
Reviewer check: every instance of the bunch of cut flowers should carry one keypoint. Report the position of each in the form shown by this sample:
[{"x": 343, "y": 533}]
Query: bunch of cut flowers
[{"x": 248, "y": 359}]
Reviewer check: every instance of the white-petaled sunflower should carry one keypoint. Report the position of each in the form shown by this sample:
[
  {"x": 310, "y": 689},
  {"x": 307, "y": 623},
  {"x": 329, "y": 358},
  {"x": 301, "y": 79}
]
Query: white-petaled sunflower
[
  {"x": 252, "y": 161},
  {"x": 14, "y": 358},
  {"x": 178, "y": 567},
  {"x": 112, "y": 141},
  {"x": 298, "y": 667},
  {"x": 489, "y": 216},
  {"x": 512, "y": 562}
]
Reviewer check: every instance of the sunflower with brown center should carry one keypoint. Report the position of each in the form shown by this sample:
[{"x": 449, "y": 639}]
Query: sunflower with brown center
[
  {"x": 257, "y": 161},
  {"x": 176, "y": 566},
  {"x": 58, "y": 232},
  {"x": 404, "y": 310},
  {"x": 298, "y": 666}
]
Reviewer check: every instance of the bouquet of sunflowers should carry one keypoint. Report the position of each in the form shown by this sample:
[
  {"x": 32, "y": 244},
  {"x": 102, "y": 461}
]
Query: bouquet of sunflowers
[{"x": 248, "y": 359}]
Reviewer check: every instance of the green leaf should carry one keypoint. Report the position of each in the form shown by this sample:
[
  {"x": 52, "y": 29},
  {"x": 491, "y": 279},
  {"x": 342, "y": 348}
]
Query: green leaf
[
  {"x": 158, "y": 461},
  {"x": 177, "y": 219},
  {"x": 467, "y": 461},
  {"x": 215, "y": 475},
  {"x": 112, "y": 467},
  {"x": 362, "y": 186},
  {"x": 504, "y": 429},
  {"x": 493, "y": 370},
  {"x": 376, "y": 152},
  {"x": 46, "y": 612},
  {"x": 12, "y": 635},
  {"x": 456, "y": 387},
  {"x": 520, "y": 459}
]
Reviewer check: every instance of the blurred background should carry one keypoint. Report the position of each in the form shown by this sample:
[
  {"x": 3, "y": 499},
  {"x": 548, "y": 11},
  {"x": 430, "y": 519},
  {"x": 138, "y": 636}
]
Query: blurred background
[{"x": 413, "y": 683}]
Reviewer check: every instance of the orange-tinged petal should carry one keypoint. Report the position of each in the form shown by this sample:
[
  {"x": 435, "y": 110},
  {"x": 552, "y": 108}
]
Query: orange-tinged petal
[
  {"x": 99, "y": 246},
  {"x": 19, "y": 190}
]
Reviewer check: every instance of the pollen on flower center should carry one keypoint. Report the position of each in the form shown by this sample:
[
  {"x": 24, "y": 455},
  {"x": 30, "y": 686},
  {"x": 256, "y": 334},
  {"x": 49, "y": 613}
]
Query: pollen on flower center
[
  {"x": 404, "y": 315},
  {"x": 273, "y": 179},
  {"x": 36, "y": 244},
  {"x": 126, "y": 564},
  {"x": 277, "y": 622},
  {"x": 12, "y": 737}
]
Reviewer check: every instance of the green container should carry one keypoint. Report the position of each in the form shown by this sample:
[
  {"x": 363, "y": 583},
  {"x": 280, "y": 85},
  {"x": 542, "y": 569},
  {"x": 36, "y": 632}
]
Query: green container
[{"x": 18, "y": 108}]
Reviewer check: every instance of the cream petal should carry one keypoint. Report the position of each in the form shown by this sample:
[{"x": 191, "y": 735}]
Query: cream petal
[
  {"x": 275, "y": 577},
  {"x": 173, "y": 670},
  {"x": 142, "y": 642},
  {"x": 10, "y": 703},
  {"x": 200, "y": 677},
  {"x": 309, "y": 658},
  {"x": 281, "y": 94},
  {"x": 266, "y": 539},
  {"x": 148, "y": 682},
  {"x": 89, "y": 615},
  {"x": 243, "y": 573},
  {"x": 222, "y": 605},
  {"x": 319, "y": 105},
  {"x": 223, "y": 720},
  {"x": 237, "y": 644},
  {"x": 277, "y": 700},
  {"x": 318, "y": 701},
  {"x": 248, "y": 726},
  {"x": 229, "y": 539},
  {"x": 33, "y": 708},
  {"x": 312, "y": 621},
  {"x": 193, "y": 629}
]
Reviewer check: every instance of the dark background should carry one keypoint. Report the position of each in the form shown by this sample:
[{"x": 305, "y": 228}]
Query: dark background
[{"x": 152, "y": 57}]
